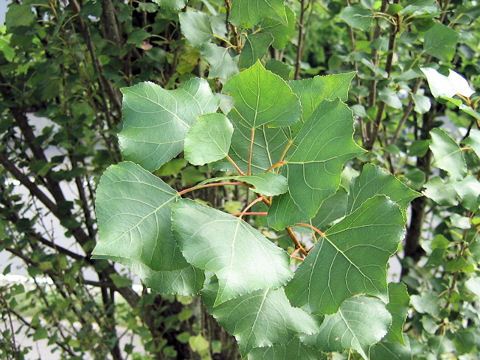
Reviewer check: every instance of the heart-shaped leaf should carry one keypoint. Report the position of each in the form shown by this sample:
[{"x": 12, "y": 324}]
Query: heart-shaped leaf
[
  {"x": 133, "y": 212},
  {"x": 242, "y": 258}
]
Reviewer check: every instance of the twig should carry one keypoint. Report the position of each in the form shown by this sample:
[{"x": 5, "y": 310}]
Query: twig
[
  {"x": 294, "y": 238},
  {"x": 193, "y": 188},
  {"x": 298, "y": 63},
  {"x": 249, "y": 206},
  {"x": 321, "y": 233},
  {"x": 234, "y": 165}
]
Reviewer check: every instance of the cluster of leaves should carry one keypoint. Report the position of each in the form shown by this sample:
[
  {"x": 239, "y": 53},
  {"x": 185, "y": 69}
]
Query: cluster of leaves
[
  {"x": 288, "y": 142},
  {"x": 301, "y": 271}
]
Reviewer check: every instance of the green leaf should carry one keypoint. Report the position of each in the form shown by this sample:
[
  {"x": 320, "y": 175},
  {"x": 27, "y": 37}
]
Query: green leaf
[
  {"x": 398, "y": 308},
  {"x": 222, "y": 64},
  {"x": 447, "y": 154},
  {"x": 147, "y": 108},
  {"x": 133, "y": 213},
  {"x": 242, "y": 259},
  {"x": 332, "y": 209},
  {"x": 282, "y": 31},
  {"x": 376, "y": 181},
  {"x": 350, "y": 259},
  {"x": 443, "y": 193},
  {"x": 171, "y": 4},
  {"x": 357, "y": 17},
  {"x": 389, "y": 97},
  {"x": 173, "y": 167},
  {"x": 468, "y": 190},
  {"x": 40, "y": 333},
  {"x": 198, "y": 343},
  {"x": 263, "y": 318},
  {"x": 120, "y": 281},
  {"x": 312, "y": 92},
  {"x": 262, "y": 97},
  {"x": 208, "y": 139},
  {"x": 196, "y": 27},
  {"x": 268, "y": 146},
  {"x": 255, "y": 47},
  {"x": 7, "y": 50},
  {"x": 19, "y": 15},
  {"x": 419, "y": 7},
  {"x": 392, "y": 351},
  {"x": 447, "y": 86},
  {"x": 277, "y": 67},
  {"x": 426, "y": 302},
  {"x": 422, "y": 103},
  {"x": 418, "y": 148},
  {"x": 247, "y": 13},
  {"x": 473, "y": 285},
  {"x": 473, "y": 140},
  {"x": 441, "y": 42},
  {"x": 269, "y": 184},
  {"x": 313, "y": 168},
  {"x": 359, "y": 323},
  {"x": 292, "y": 349}
]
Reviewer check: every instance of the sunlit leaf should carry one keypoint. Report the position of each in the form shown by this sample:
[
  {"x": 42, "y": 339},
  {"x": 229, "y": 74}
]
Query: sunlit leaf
[
  {"x": 447, "y": 154},
  {"x": 133, "y": 212},
  {"x": 156, "y": 120},
  {"x": 208, "y": 139},
  {"x": 242, "y": 259}
]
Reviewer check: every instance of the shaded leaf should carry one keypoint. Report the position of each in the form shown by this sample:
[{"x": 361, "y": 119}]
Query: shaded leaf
[
  {"x": 392, "y": 351},
  {"x": 222, "y": 64},
  {"x": 196, "y": 27},
  {"x": 242, "y": 259},
  {"x": 441, "y": 41},
  {"x": 332, "y": 209},
  {"x": 350, "y": 259},
  {"x": 255, "y": 47},
  {"x": 156, "y": 120},
  {"x": 398, "y": 308},
  {"x": 208, "y": 139},
  {"x": 357, "y": 17},
  {"x": 247, "y": 13},
  {"x": 346, "y": 329},
  {"x": 282, "y": 30},
  {"x": 133, "y": 212}
]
